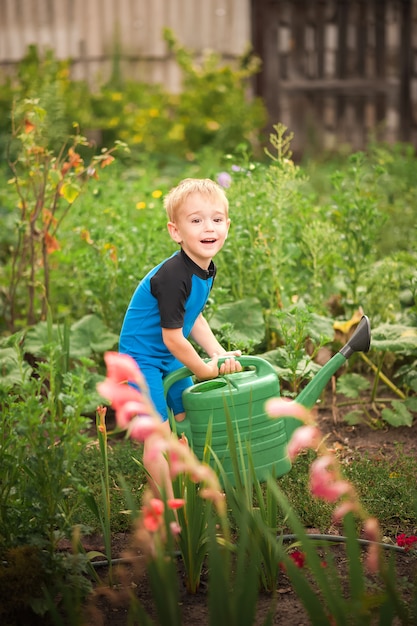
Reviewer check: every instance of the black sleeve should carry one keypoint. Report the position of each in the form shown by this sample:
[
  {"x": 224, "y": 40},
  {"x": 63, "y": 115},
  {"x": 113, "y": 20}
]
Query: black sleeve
[{"x": 171, "y": 287}]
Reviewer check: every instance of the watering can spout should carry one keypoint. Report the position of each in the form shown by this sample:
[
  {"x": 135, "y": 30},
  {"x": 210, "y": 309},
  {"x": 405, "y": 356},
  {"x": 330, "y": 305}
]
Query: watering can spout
[{"x": 359, "y": 342}]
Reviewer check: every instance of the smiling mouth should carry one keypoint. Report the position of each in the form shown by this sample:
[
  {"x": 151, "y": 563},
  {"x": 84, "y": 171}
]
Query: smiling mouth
[{"x": 208, "y": 241}]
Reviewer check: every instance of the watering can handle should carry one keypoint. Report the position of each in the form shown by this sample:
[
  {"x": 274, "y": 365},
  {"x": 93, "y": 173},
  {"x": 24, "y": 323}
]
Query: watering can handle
[{"x": 262, "y": 367}]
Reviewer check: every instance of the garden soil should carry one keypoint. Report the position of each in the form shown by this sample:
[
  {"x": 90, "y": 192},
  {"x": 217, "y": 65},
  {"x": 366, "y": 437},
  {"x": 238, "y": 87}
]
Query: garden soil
[{"x": 109, "y": 607}]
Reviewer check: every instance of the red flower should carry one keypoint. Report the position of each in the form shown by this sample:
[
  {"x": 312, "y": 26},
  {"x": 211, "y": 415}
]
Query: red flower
[
  {"x": 298, "y": 557},
  {"x": 406, "y": 542}
]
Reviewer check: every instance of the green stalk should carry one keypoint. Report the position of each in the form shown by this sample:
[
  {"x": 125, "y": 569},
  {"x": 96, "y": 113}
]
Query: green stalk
[{"x": 382, "y": 376}]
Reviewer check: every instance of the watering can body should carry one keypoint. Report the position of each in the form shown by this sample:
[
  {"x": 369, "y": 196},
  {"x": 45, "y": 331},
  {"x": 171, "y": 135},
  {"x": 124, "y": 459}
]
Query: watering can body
[{"x": 230, "y": 411}]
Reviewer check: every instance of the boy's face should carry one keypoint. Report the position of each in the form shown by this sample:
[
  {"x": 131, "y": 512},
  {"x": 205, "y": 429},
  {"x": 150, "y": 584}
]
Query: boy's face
[{"x": 201, "y": 226}]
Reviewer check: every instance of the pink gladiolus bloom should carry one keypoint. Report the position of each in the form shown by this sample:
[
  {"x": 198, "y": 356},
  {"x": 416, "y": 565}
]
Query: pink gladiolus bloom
[
  {"x": 371, "y": 529},
  {"x": 141, "y": 426},
  {"x": 324, "y": 482},
  {"x": 303, "y": 437},
  {"x": 372, "y": 559},
  {"x": 118, "y": 393},
  {"x": 344, "y": 508},
  {"x": 372, "y": 533},
  {"x": 175, "y": 529},
  {"x": 121, "y": 367},
  {"x": 281, "y": 407},
  {"x": 201, "y": 473},
  {"x": 152, "y": 514},
  {"x": 128, "y": 411},
  {"x": 175, "y": 503}
]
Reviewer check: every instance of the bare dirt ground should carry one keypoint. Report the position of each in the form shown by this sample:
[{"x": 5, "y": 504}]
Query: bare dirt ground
[{"x": 110, "y": 606}]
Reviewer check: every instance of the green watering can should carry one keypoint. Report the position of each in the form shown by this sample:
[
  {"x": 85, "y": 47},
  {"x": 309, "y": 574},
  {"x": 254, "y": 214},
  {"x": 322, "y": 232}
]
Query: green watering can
[{"x": 241, "y": 396}]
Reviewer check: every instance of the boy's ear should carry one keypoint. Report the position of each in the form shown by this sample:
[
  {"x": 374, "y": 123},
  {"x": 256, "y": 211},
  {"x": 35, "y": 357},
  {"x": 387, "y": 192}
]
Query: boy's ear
[
  {"x": 173, "y": 231},
  {"x": 228, "y": 226}
]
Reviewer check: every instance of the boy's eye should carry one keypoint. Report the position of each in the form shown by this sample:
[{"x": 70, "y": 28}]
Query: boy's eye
[{"x": 218, "y": 219}]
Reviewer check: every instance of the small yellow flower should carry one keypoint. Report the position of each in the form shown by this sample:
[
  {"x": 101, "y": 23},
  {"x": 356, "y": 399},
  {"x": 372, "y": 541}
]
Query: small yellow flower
[
  {"x": 153, "y": 113},
  {"x": 157, "y": 193},
  {"x": 116, "y": 96},
  {"x": 141, "y": 205},
  {"x": 212, "y": 125}
]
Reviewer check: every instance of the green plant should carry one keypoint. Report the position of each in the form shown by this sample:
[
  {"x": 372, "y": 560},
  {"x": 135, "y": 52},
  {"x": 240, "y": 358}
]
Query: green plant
[
  {"x": 46, "y": 185},
  {"x": 260, "y": 257},
  {"x": 358, "y": 220},
  {"x": 296, "y": 328},
  {"x": 193, "y": 519},
  {"x": 213, "y": 108},
  {"x": 390, "y": 342},
  {"x": 41, "y": 436}
]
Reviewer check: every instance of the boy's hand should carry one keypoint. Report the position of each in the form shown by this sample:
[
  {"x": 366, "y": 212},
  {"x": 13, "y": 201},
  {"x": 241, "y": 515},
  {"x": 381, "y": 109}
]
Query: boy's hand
[
  {"x": 230, "y": 365},
  {"x": 211, "y": 368}
]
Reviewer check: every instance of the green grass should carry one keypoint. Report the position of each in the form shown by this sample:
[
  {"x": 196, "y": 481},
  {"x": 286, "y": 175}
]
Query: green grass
[
  {"x": 386, "y": 488},
  {"x": 121, "y": 459}
]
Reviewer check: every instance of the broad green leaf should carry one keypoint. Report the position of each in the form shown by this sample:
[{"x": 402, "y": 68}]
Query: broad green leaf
[
  {"x": 399, "y": 415},
  {"x": 411, "y": 403},
  {"x": 351, "y": 385},
  {"x": 395, "y": 338},
  {"x": 70, "y": 192},
  {"x": 353, "y": 417},
  {"x": 320, "y": 329},
  {"x": 13, "y": 371},
  {"x": 89, "y": 335},
  {"x": 246, "y": 318},
  {"x": 40, "y": 336},
  {"x": 55, "y": 176}
]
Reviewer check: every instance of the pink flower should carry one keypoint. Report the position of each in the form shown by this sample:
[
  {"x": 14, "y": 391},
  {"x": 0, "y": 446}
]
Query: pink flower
[
  {"x": 175, "y": 503},
  {"x": 324, "y": 481},
  {"x": 372, "y": 558},
  {"x": 282, "y": 407},
  {"x": 141, "y": 426},
  {"x": 152, "y": 514},
  {"x": 372, "y": 533},
  {"x": 121, "y": 367},
  {"x": 175, "y": 528},
  {"x": 303, "y": 437},
  {"x": 118, "y": 393},
  {"x": 344, "y": 508}
]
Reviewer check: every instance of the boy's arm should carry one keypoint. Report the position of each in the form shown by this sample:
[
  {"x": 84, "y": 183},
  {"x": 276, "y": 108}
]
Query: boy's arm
[
  {"x": 203, "y": 335},
  {"x": 182, "y": 349}
]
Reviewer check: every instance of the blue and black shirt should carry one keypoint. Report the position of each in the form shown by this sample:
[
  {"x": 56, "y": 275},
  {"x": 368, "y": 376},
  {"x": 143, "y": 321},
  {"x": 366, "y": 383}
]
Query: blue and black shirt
[{"x": 171, "y": 295}]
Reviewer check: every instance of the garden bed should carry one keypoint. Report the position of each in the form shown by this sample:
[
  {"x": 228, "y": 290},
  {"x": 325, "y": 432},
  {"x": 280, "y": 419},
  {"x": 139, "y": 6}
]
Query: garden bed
[{"x": 110, "y": 605}]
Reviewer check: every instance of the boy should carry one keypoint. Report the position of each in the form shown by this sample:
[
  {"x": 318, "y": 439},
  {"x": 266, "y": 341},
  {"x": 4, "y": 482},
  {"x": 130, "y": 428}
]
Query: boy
[{"x": 167, "y": 306}]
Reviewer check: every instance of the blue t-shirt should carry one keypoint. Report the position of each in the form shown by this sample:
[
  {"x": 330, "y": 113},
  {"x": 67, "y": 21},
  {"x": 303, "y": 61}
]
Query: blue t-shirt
[{"x": 171, "y": 295}]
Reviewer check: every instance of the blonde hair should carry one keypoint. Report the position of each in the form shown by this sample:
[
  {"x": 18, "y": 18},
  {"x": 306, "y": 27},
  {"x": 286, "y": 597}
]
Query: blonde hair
[{"x": 204, "y": 186}]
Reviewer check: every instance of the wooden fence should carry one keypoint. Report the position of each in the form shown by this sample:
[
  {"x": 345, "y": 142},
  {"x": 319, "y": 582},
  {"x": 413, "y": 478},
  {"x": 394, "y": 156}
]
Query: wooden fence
[
  {"x": 335, "y": 72},
  {"x": 88, "y": 31}
]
